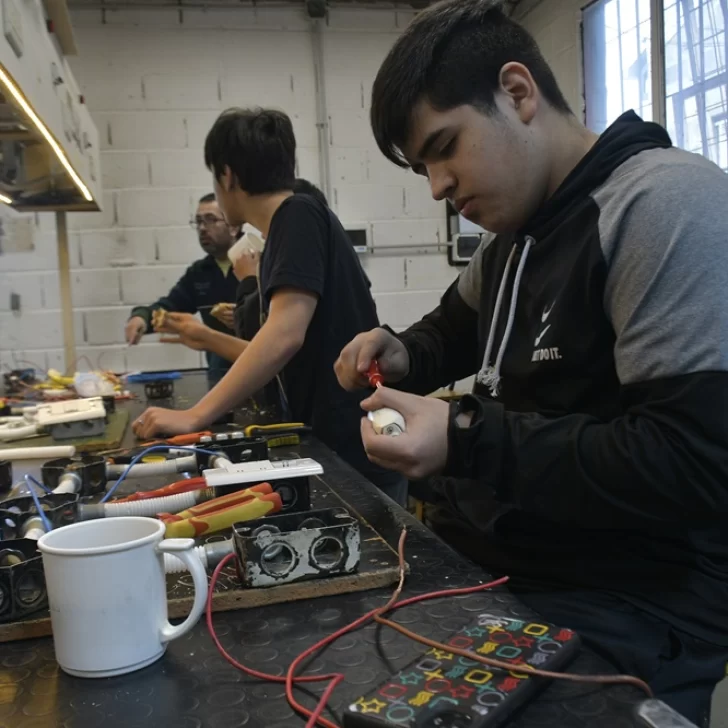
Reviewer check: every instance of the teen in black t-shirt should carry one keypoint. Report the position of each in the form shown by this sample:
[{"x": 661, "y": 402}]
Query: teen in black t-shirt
[{"x": 315, "y": 295}]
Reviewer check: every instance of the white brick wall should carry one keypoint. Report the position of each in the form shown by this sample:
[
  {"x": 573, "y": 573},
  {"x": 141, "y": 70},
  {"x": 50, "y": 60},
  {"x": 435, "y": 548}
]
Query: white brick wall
[
  {"x": 154, "y": 86},
  {"x": 555, "y": 24}
]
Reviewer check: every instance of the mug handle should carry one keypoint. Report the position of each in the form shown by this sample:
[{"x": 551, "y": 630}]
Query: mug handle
[{"x": 182, "y": 548}]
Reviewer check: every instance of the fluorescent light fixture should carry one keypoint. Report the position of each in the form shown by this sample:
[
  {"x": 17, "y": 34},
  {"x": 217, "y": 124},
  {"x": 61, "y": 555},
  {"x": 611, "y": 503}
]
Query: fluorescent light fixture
[
  {"x": 5, "y": 199},
  {"x": 16, "y": 93}
]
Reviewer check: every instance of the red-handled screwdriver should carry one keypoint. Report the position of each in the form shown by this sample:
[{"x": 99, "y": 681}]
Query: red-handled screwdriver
[
  {"x": 376, "y": 379},
  {"x": 386, "y": 421}
]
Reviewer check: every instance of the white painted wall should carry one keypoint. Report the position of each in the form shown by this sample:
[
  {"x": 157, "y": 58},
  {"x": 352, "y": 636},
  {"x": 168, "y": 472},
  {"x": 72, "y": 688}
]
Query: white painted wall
[{"x": 154, "y": 81}]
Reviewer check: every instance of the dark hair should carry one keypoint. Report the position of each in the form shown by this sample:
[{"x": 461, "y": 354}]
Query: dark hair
[
  {"x": 209, "y": 197},
  {"x": 259, "y": 147},
  {"x": 304, "y": 187},
  {"x": 451, "y": 54}
]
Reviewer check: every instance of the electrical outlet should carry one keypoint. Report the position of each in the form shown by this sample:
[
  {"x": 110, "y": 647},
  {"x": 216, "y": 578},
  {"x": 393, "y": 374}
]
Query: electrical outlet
[{"x": 15, "y": 302}]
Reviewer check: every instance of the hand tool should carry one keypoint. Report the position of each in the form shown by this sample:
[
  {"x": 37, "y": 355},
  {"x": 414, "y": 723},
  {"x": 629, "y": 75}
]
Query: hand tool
[
  {"x": 375, "y": 377},
  {"x": 181, "y": 486},
  {"x": 192, "y": 438},
  {"x": 279, "y": 428},
  {"x": 385, "y": 421},
  {"x": 223, "y": 512}
]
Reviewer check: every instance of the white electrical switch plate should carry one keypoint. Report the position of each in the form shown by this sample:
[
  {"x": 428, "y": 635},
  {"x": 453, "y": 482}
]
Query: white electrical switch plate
[
  {"x": 260, "y": 470},
  {"x": 73, "y": 410}
]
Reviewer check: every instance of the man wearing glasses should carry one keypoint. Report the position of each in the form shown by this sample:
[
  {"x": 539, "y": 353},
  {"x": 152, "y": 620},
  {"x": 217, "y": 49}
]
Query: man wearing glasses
[{"x": 206, "y": 282}]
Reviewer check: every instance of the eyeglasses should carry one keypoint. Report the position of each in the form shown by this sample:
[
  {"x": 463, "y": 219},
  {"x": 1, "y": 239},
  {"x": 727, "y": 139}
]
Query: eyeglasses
[{"x": 206, "y": 220}]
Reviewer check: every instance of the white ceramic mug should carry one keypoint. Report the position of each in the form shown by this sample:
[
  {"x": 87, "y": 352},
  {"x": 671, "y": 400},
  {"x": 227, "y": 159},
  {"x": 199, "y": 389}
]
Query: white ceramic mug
[{"x": 107, "y": 593}]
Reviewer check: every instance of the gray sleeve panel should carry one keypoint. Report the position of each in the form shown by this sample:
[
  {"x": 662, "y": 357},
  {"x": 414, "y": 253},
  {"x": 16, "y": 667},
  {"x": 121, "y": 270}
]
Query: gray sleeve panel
[
  {"x": 471, "y": 278},
  {"x": 663, "y": 226}
]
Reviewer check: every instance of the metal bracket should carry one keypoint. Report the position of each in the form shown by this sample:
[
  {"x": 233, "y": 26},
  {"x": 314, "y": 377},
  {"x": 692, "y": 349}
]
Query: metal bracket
[
  {"x": 59, "y": 508},
  {"x": 22, "y": 581},
  {"x": 82, "y": 428},
  {"x": 235, "y": 447},
  {"x": 296, "y": 547},
  {"x": 6, "y": 476},
  {"x": 159, "y": 389},
  {"x": 86, "y": 473}
]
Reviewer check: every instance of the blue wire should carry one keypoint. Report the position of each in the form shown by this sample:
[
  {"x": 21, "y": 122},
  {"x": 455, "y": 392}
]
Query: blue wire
[
  {"x": 138, "y": 457},
  {"x": 41, "y": 512},
  {"x": 39, "y": 484}
]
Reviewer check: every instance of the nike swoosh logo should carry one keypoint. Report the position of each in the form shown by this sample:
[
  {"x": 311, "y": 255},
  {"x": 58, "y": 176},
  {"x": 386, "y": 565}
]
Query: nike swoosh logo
[
  {"x": 546, "y": 313},
  {"x": 541, "y": 335}
]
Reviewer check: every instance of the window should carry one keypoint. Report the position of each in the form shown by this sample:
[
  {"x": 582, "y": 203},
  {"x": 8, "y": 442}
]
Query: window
[
  {"x": 618, "y": 67},
  {"x": 695, "y": 76},
  {"x": 617, "y": 60}
]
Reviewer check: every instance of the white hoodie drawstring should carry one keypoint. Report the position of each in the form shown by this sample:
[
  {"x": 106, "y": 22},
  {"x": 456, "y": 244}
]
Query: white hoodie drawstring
[{"x": 490, "y": 376}]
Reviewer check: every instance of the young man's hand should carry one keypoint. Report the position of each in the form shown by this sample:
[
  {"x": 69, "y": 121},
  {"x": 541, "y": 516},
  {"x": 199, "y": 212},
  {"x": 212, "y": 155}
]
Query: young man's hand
[
  {"x": 134, "y": 330},
  {"x": 422, "y": 449},
  {"x": 191, "y": 331},
  {"x": 246, "y": 265},
  {"x": 158, "y": 421},
  {"x": 353, "y": 363}
]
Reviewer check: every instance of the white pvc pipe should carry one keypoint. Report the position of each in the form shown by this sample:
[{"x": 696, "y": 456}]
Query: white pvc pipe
[
  {"x": 38, "y": 453},
  {"x": 35, "y": 533},
  {"x": 69, "y": 483}
]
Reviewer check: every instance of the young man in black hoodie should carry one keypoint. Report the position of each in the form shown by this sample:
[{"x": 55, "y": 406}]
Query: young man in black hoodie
[
  {"x": 596, "y": 324},
  {"x": 315, "y": 295}
]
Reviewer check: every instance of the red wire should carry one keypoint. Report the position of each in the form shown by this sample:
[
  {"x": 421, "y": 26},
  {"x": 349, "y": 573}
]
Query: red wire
[
  {"x": 314, "y": 717},
  {"x": 225, "y": 654}
]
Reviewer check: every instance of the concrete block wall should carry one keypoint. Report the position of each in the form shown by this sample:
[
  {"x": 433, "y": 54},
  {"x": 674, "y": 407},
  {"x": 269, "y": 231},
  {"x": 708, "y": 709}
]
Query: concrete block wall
[
  {"x": 154, "y": 81},
  {"x": 556, "y": 26}
]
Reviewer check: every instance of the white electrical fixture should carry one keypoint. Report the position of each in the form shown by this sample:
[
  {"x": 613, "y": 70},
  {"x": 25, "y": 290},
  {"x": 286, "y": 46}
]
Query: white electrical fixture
[
  {"x": 261, "y": 470},
  {"x": 359, "y": 236},
  {"x": 40, "y": 106},
  {"x": 72, "y": 410}
]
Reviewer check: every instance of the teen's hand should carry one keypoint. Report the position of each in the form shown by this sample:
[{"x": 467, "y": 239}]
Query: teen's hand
[
  {"x": 246, "y": 265},
  {"x": 353, "y": 363},
  {"x": 191, "y": 331},
  {"x": 422, "y": 449},
  {"x": 158, "y": 421},
  {"x": 134, "y": 330}
]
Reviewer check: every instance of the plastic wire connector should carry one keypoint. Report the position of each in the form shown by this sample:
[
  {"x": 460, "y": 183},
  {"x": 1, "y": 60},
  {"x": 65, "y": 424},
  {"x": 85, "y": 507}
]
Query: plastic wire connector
[
  {"x": 29, "y": 480},
  {"x": 137, "y": 458}
]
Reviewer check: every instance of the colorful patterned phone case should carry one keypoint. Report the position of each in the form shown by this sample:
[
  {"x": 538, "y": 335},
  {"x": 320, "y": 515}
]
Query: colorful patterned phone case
[{"x": 445, "y": 690}]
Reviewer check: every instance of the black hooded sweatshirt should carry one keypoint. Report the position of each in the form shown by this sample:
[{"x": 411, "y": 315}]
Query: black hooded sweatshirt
[{"x": 601, "y": 400}]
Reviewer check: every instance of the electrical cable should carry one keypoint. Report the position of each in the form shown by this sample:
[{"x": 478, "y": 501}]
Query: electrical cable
[
  {"x": 314, "y": 717},
  {"x": 334, "y": 678},
  {"x": 41, "y": 513},
  {"x": 139, "y": 456},
  {"x": 42, "y": 486}
]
